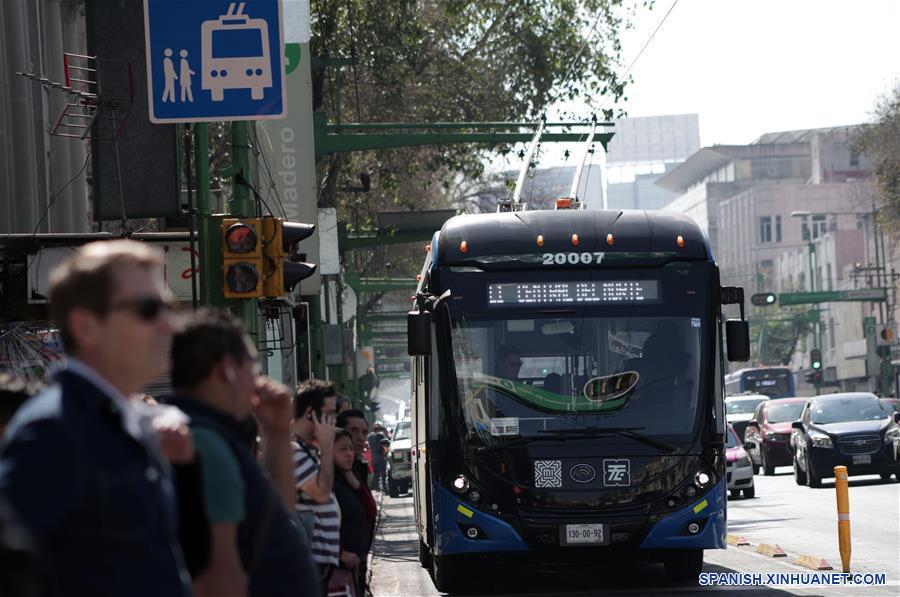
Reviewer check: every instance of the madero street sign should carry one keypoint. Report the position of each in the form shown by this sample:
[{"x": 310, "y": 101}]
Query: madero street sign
[{"x": 212, "y": 60}]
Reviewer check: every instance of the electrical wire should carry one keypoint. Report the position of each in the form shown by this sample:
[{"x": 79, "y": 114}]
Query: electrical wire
[
  {"x": 56, "y": 193},
  {"x": 650, "y": 39},
  {"x": 267, "y": 166}
]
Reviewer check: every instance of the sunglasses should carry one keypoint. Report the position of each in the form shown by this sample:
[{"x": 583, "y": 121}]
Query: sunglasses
[{"x": 146, "y": 308}]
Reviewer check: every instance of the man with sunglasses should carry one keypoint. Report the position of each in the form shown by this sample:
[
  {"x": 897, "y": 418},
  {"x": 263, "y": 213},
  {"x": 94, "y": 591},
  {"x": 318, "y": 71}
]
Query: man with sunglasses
[
  {"x": 257, "y": 546},
  {"x": 83, "y": 469}
]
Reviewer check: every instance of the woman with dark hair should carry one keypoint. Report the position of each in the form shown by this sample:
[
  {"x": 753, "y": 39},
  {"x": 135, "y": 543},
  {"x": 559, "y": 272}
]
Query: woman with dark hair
[{"x": 354, "y": 525}]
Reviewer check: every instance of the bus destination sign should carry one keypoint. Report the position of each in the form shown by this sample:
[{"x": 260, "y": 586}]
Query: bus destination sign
[{"x": 590, "y": 292}]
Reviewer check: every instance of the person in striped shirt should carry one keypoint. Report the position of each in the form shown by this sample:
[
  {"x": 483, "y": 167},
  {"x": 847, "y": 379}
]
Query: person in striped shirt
[{"x": 317, "y": 508}]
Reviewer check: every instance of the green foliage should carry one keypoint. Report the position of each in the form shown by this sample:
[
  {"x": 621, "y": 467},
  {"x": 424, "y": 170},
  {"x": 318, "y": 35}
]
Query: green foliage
[
  {"x": 881, "y": 141},
  {"x": 450, "y": 61}
]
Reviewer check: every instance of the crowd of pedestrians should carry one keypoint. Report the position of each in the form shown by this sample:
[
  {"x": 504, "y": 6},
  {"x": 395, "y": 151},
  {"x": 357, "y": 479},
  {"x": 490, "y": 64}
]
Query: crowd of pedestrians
[{"x": 233, "y": 485}]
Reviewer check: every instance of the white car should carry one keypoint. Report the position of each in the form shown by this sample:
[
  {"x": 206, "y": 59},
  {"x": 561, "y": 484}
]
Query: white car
[
  {"x": 738, "y": 466},
  {"x": 399, "y": 460},
  {"x": 739, "y": 410}
]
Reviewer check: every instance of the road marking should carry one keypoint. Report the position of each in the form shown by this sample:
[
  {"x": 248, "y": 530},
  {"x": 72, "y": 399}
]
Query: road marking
[
  {"x": 768, "y": 549},
  {"x": 813, "y": 562},
  {"x": 736, "y": 540}
]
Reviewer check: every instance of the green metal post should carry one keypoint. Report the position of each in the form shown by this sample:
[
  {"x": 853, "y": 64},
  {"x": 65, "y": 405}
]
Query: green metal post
[
  {"x": 317, "y": 337},
  {"x": 241, "y": 205},
  {"x": 209, "y": 243}
]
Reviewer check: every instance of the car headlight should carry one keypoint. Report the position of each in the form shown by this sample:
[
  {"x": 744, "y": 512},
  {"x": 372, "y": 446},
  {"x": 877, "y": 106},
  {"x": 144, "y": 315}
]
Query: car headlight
[
  {"x": 820, "y": 440},
  {"x": 744, "y": 461}
]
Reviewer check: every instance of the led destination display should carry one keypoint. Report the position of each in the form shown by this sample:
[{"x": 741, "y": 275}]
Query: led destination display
[{"x": 594, "y": 292}]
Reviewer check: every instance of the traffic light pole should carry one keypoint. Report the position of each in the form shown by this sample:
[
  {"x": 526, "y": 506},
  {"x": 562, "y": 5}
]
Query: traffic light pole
[
  {"x": 210, "y": 251},
  {"x": 241, "y": 205}
]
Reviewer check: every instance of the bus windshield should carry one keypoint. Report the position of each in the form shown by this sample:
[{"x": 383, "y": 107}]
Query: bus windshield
[{"x": 529, "y": 370}]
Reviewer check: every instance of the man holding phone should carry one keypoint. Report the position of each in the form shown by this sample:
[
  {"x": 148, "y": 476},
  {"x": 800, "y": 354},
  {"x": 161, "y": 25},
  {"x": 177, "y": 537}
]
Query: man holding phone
[{"x": 257, "y": 547}]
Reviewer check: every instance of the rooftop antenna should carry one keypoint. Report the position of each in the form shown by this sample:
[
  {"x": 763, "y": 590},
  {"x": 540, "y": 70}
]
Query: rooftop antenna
[
  {"x": 576, "y": 182},
  {"x": 516, "y": 204}
]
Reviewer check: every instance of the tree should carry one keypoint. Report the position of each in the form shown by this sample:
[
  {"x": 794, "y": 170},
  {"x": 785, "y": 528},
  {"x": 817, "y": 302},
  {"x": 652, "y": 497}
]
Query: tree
[
  {"x": 881, "y": 141},
  {"x": 451, "y": 61}
]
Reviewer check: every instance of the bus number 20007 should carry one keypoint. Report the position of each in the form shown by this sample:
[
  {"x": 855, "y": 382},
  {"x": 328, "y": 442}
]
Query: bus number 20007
[{"x": 572, "y": 258}]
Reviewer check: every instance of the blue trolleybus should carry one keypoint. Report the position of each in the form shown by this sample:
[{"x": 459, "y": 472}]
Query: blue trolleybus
[
  {"x": 567, "y": 392},
  {"x": 774, "y": 382}
]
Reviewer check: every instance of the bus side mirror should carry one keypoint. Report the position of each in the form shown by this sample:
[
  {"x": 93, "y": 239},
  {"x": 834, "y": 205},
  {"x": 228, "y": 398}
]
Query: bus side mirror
[
  {"x": 418, "y": 332},
  {"x": 737, "y": 339}
]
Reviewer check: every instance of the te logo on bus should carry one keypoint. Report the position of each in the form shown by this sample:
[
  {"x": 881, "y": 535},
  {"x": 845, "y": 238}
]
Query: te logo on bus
[
  {"x": 572, "y": 258},
  {"x": 617, "y": 472}
]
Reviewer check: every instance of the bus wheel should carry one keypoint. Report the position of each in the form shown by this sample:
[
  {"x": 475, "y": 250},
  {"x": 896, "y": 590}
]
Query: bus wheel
[
  {"x": 424, "y": 555},
  {"x": 684, "y": 564},
  {"x": 448, "y": 575}
]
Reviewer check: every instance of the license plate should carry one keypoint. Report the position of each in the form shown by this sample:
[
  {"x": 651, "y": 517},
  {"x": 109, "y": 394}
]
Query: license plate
[
  {"x": 581, "y": 534},
  {"x": 862, "y": 459}
]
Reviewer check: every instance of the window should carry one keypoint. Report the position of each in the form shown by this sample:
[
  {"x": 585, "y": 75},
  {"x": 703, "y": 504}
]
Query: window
[
  {"x": 854, "y": 159},
  {"x": 804, "y": 229},
  {"x": 831, "y": 332},
  {"x": 819, "y": 226},
  {"x": 777, "y": 229},
  {"x": 765, "y": 229}
]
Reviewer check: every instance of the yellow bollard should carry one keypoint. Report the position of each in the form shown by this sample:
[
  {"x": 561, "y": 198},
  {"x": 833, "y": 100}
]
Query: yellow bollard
[{"x": 843, "y": 508}]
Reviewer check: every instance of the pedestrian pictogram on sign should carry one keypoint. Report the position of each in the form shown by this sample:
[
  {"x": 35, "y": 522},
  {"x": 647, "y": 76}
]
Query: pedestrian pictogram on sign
[{"x": 213, "y": 60}]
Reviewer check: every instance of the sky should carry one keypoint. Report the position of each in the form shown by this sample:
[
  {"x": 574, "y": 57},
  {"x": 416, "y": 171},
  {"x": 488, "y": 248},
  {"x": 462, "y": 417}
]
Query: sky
[{"x": 748, "y": 67}]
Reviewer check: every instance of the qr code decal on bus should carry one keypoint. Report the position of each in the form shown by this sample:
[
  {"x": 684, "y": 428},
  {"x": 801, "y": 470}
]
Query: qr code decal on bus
[{"x": 547, "y": 473}]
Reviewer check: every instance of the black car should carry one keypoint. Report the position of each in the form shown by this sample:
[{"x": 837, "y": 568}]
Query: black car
[{"x": 854, "y": 430}]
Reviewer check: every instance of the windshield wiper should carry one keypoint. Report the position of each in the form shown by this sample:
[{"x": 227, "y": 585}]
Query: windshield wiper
[
  {"x": 521, "y": 441},
  {"x": 629, "y": 432}
]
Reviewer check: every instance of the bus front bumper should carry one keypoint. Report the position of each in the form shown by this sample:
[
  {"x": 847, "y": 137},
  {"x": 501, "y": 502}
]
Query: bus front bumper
[{"x": 462, "y": 528}]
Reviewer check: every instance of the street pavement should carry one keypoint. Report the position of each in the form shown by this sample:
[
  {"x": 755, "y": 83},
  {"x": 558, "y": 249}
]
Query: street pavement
[{"x": 800, "y": 520}]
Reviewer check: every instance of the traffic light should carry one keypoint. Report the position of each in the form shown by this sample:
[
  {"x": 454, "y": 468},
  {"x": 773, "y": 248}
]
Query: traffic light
[
  {"x": 814, "y": 377},
  {"x": 763, "y": 299},
  {"x": 242, "y": 261},
  {"x": 815, "y": 359},
  {"x": 284, "y": 268}
]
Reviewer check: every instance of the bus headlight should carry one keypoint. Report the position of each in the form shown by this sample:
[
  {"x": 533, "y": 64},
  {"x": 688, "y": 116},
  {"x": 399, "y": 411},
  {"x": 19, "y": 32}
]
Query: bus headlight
[
  {"x": 460, "y": 484},
  {"x": 702, "y": 479}
]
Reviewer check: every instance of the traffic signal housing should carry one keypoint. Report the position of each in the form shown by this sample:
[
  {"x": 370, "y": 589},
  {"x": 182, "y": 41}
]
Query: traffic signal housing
[
  {"x": 242, "y": 258},
  {"x": 763, "y": 299},
  {"x": 815, "y": 359},
  {"x": 284, "y": 267}
]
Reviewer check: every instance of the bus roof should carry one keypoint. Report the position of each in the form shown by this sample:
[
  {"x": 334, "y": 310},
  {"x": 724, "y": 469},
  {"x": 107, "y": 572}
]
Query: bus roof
[{"x": 515, "y": 233}]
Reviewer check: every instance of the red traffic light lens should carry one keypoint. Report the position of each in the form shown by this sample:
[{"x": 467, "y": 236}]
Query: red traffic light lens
[
  {"x": 240, "y": 238},
  {"x": 242, "y": 277}
]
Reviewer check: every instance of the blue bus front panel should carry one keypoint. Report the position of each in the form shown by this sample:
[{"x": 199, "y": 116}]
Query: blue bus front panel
[{"x": 461, "y": 528}]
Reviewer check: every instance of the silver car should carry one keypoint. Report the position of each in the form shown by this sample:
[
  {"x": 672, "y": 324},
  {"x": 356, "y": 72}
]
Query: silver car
[{"x": 399, "y": 460}]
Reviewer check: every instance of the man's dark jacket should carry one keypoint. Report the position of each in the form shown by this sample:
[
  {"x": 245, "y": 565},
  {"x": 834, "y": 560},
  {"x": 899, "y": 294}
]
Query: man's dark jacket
[{"x": 99, "y": 502}]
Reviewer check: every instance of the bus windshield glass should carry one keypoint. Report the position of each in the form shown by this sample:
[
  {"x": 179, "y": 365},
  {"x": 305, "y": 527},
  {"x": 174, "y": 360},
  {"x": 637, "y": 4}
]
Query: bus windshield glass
[{"x": 529, "y": 370}]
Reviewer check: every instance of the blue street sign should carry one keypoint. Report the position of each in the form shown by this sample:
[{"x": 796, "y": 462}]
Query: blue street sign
[{"x": 211, "y": 60}]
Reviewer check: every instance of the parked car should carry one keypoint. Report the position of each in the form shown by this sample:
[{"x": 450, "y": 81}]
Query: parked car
[
  {"x": 399, "y": 460},
  {"x": 768, "y": 434},
  {"x": 739, "y": 410},
  {"x": 851, "y": 429},
  {"x": 738, "y": 466}
]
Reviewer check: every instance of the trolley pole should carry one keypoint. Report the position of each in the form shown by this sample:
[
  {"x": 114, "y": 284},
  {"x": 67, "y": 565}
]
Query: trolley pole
[{"x": 843, "y": 508}]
